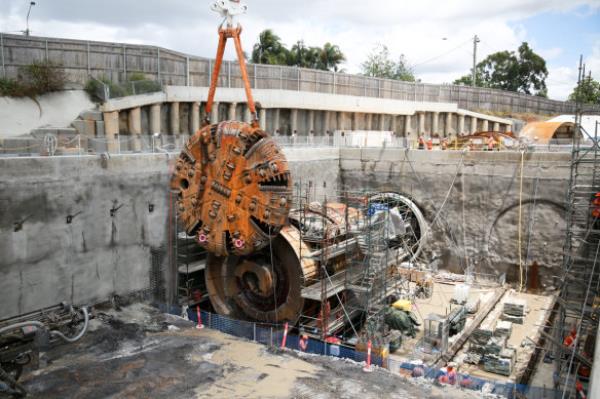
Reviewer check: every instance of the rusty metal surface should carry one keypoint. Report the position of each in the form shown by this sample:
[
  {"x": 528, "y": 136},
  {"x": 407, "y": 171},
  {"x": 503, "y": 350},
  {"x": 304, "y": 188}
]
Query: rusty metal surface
[
  {"x": 542, "y": 132},
  {"x": 234, "y": 188}
]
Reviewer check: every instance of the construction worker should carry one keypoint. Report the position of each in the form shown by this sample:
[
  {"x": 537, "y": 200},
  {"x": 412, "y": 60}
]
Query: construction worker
[
  {"x": 429, "y": 144},
  {"x": 452, "y": 375},
  {"x": 421, "y": 143},
  {"x": 491, "y": 142},
  {"x": 596, "y": 206},
  {"x": 303, "y": 343},
  {"x": 570, "y": 339},
  {"x": 444, "y": 144}
]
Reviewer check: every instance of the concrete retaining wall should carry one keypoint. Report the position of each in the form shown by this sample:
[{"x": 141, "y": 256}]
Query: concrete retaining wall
[
  {"x": 46, "y": 260},
  {"x": 118, "y": 60},
  {"x": 480, "y": 197}
]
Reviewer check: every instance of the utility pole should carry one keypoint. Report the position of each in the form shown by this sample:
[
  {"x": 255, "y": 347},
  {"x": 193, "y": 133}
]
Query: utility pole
[
  {"x": 31, "y": 4},
  {"x": 475, "y": 41}
]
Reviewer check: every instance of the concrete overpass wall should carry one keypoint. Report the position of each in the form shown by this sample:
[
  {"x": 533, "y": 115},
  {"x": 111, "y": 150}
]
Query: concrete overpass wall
[{"x": 117, "y": 61}]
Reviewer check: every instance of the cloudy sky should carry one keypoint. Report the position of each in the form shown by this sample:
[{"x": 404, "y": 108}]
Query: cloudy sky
[{"x": 559, "y": 30}]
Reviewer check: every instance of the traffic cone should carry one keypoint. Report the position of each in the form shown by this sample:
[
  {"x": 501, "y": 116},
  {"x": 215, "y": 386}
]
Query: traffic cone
[
  {"x": 285, "y": 330},
  {"x": 367, "y": 368}
]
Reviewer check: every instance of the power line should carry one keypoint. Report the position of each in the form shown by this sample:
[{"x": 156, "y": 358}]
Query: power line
[{"x": 441, "y": 55}]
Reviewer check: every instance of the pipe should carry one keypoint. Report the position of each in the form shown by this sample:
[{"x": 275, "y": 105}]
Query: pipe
[
  {"x": 86, "y": 320},
  {"x": 58, "y": 334}
]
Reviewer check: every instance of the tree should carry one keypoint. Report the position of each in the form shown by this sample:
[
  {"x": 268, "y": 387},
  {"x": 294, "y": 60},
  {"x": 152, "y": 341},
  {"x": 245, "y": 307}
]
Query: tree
[
  {"x": 305, "y": 57},
  {"x": 524, "y": 72},
  {"x": 331, "y": 57},
  {"x": 379, "y": 64},
  {"x": 587, "y": 91},
  {"x": 269, "y": 49}
]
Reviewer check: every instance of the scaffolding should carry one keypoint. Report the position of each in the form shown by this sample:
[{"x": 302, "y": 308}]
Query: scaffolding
[
  {"x": 360, "y": 242},
  {"x": 580, "y": 284}
]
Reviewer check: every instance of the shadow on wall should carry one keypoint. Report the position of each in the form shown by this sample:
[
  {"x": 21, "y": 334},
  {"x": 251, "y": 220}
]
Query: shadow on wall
[{"x": 542, "y": 236}]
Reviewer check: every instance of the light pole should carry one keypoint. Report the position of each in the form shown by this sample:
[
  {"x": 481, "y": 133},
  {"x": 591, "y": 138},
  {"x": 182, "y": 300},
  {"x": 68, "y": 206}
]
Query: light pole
[
  {"x": 31, "y": 4},
  {"x": 475, "y": 41}
]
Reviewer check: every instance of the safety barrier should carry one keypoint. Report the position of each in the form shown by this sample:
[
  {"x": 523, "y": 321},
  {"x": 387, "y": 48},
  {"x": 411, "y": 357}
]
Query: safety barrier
[
  {"x": 164, "y": 143},
  {"x": 273, "y": 335}
]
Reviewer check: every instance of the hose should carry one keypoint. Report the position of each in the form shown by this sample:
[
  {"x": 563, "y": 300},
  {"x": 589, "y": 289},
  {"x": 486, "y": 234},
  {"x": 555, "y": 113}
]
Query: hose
[{"x": 86, "y": 319}]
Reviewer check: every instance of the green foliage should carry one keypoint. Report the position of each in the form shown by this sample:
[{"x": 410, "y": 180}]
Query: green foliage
[
  {"x": 270, "y": 50},
  {"x": 34, "y": 80},
  {"x": 379, "y": 64},
  {"x": 587, "y": 92},
  {"x": 136, "y": 84},
  {"x": 523, "y": 71}
]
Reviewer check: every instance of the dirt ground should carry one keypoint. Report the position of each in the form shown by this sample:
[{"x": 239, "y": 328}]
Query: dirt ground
[{"x": 139, "y": 353}]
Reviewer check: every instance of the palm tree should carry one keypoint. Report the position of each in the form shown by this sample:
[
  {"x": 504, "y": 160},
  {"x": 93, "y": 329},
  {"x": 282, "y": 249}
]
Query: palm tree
[
  {"x": 269, "y": 49},
  {"x": 331, "y": 57}
]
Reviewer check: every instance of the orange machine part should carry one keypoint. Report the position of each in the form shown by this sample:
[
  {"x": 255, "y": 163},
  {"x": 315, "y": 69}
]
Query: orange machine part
[{"x": 234, "y": 188}]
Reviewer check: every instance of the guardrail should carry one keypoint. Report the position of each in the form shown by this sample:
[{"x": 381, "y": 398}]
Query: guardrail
[
  {"x": 117, "y": 61},
  {"x": 127, "y": 144}
]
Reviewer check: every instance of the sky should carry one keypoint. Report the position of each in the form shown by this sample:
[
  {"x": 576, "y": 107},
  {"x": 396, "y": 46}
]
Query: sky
[{"x": 559, "y": 30}]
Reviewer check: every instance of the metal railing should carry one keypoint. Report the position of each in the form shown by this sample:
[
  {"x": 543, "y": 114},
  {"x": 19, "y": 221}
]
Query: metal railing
[{"x": 165, "y": 143}]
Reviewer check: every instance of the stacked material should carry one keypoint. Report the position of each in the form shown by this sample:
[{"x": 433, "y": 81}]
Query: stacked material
[
  {"x": 495, "y": 345},
  {"x": 514, "y": 311},
  {"x": 503, "y": 329},
  {"x": 472, "y": 358},
  {"x": 479, "y": 340},
  {"x": 498, "y": 365}
]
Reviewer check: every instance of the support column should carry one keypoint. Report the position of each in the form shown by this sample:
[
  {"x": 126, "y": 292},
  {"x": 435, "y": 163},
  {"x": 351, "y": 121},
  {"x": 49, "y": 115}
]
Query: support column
[
  {"x": 262, "y": 118},
  {"x": 485, "y": 126},
  {"x": 461, "y": 124},
  {"x": 354, "y": 121},
  {"x": 496, "y": 127},
  {"x": 294, "y": 120},
  {"x": 381, "y": 122},
  {"x": 448, "y": 126},
  {"x": 473, "y": 124},
  {"x": 369, "y": 121},
  {"x": 111, "y": 130},
  {"x": 276, "y": 120},
  {"x": 247, "y": 114},
  {"x": 231, "y": 112},
  {"x": 195, "y": 119},
  {"x": 134, "y": 124},
  {"x": 435, "y": 124},
  {"x": 421, "y": 123},
  {"x": 407, "y": 125},
  {"x": 395, "y": 124},
  {"x": 311, "y": 121},
  {"x": 175, "y": 118},
  {"x": 214, "y": 113},
  {"x": 326, "y": 122}
]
